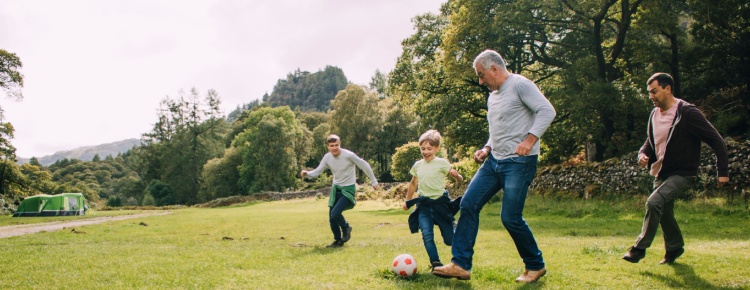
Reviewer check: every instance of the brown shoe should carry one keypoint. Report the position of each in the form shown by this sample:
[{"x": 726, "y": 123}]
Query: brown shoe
[
  {"x": 452, "y": 271},
  {"x": 671, "y": 256},
  {"x": 531, "y": 276},
  {"x": 634, "y": 255}
]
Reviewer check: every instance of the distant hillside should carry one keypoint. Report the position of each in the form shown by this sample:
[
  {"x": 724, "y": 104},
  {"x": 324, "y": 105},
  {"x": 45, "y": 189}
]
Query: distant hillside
[
  {"x": 88, "y": 153},
  {"x": 308, "y": 91}
]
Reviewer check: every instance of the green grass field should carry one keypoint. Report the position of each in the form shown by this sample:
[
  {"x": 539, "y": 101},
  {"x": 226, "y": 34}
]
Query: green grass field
[{"x": 280, "y": 245}]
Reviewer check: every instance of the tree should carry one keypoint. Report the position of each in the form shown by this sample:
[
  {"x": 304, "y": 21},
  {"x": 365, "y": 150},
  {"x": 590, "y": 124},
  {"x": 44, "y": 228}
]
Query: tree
[
  {"x": 399, "y": 128},
  {"x": 190, "y": 131},
  {"x": 272, "y": 148},
  {"x": 420, "y": 81},
  {"x": 220, "y": 177},
  {"x": 356, "y": 118},
  {"x": 576, "y": 52},
  {"x": 717, "y": 64},
  {"x": 404, "y": 158},
  {"x": 39, "y": 180},
  {"x": 11, "y": 80},
  {"x": 379, "y": 83}
]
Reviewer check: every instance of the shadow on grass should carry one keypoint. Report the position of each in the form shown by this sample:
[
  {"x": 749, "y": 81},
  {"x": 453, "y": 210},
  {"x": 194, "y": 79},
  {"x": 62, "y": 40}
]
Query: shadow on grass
[
  {"x": 685, "y": 277},
  {"x": 422, "y": 280},
  {"x": 389, "y": 212},
  {"x": 320, "y": 250}
]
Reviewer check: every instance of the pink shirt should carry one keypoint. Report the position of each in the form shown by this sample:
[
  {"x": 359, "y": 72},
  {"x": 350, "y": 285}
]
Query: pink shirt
[{"x": 662, "y": 122}]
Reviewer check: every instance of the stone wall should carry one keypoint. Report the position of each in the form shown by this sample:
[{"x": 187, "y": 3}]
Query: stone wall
[{"x": 623, "y": 176}]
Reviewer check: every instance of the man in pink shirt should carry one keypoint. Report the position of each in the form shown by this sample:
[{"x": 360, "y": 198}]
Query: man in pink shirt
[{"x": 676, "y": 129}]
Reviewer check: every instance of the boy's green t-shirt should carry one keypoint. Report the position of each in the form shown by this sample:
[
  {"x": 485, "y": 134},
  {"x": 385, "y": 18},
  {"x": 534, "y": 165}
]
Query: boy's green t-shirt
[{"x": 431, "y": 176}]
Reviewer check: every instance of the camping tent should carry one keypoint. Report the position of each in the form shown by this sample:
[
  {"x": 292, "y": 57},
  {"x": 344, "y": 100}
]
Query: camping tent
[{"x": 52, "y": 205}]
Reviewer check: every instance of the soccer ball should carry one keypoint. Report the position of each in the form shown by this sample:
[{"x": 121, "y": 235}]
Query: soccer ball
[{"x": 404, "y": 265}]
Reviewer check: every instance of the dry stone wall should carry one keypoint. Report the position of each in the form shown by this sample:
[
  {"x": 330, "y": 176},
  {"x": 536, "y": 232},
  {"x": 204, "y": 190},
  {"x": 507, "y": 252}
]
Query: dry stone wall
[{"x": 623, "y": 176}]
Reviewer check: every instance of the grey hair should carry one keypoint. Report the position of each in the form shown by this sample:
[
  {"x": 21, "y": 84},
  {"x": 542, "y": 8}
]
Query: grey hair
[{"x": 488, "y": 58}]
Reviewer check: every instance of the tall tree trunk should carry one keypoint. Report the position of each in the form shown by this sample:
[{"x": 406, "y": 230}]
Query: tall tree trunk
[{"x": 674, "y": 64}]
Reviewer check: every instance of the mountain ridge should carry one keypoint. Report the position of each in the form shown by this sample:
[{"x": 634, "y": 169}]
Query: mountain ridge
[{"x": 87, "y": 153}]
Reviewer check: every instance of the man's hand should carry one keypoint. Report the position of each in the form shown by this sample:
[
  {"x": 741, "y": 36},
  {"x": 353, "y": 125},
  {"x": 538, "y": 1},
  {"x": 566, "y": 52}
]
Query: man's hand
[
  {"x": 376, "y": 186},
  {"x": 480, "y": 154},
  {"x": 524, "y": 148},
  {"x": 642, "y": 160},
  {"x": 303, "y": 173},
  {"x": 722, "y": 180}
]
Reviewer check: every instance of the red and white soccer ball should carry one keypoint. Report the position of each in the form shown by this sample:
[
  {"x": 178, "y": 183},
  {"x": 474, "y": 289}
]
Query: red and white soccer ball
[{"x": 404, "y": 265}]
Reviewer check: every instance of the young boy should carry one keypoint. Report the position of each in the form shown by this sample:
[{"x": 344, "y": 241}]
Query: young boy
[
  {"x": 433, "y": 204},
  {"x": 342, "y": 164}
]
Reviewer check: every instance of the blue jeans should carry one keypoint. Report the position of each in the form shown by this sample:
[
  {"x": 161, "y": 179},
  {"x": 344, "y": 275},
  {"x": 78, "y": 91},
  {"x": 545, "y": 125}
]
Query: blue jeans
[
  {"x": 513, "y": 175},
  {"x": 426, "y": 225},
  {"x": 336, "y": 217}
]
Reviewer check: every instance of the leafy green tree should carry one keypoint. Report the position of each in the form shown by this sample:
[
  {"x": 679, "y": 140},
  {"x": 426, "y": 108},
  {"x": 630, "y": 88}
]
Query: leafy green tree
[
  {"x": 148, "y": 200},
  {"x": 235, "y": 114},
  {"x": 272, "y": 147},
  {"x": 379, "y": 83},
  {"x": 40, "y": 181},
  {"x": 356, "y": 117},
  {"x": 13, "y": 183},
  {"x": 189, "y": 132},
  {"x": 312, "y": 119},
  {"x": 162, "y": 192},
  {"x": 220, "y": 177},
  {"x": 717, "y": 64},
  {"x": 319, "y": 148},
  {"x": 399, "y": 128},
  {"x": 11, "y": 80},
  {"x": 421, "y": 82},
  {"x": 114, "y": 201},
  {"x": 575, "y": 51},
  {"x": 404, "y": 159}
]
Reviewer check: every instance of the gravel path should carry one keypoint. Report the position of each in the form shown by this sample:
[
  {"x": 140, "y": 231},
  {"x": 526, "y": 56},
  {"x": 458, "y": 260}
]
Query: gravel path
[{"x": 12, "y": 231}]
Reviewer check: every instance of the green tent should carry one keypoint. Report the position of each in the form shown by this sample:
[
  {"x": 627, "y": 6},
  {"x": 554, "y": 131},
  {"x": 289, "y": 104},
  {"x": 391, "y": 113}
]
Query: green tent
[{"x": 52, "y": 205}]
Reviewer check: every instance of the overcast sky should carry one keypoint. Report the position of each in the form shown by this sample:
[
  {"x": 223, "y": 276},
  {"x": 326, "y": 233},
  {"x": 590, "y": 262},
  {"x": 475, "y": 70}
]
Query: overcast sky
[{"x": 95, "y": 71}]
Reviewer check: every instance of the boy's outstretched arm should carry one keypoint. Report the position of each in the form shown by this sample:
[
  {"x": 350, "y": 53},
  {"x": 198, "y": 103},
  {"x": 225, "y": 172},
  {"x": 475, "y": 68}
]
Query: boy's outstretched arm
[
  {"x": 455, "y": 175},
  {"x": 410, "y": 191}
]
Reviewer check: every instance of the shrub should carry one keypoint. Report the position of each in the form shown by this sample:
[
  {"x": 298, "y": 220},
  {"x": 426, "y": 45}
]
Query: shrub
[{"x": 403, "y": 160}]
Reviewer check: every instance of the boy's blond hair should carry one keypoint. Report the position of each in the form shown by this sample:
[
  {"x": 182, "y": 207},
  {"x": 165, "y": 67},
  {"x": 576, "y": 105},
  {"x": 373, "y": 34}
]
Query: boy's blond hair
[{"x": 432, "y": 137}]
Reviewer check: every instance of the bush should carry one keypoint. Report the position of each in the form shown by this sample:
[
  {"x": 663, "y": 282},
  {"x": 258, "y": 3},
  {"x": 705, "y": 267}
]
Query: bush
[
  {"x": 148, "y": 200},
  {"x": 114, "y": 201},
  {"x": 403, "y": 160}
]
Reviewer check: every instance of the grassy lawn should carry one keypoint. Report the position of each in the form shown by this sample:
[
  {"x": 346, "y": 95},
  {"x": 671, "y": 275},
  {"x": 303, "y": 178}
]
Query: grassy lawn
[{"x": 280, "y": 245}]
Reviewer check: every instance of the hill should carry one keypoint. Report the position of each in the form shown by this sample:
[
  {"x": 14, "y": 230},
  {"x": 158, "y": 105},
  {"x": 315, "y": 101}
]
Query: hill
[{"x": 87, "y": 153}]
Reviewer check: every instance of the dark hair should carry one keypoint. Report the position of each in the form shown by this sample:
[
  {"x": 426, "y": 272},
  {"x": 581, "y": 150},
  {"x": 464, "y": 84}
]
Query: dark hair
[
  {"x": 333, "y": 138},
  {"x": 664, "y": 80}
]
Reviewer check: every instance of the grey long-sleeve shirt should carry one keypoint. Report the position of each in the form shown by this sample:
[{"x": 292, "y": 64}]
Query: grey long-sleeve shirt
[
  {"x": 343, "y": 168},
  {"x": 515, "y": 110}
]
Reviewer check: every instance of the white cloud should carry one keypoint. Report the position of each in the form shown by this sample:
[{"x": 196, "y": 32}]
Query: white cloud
[{"x": 95, "y": 71}]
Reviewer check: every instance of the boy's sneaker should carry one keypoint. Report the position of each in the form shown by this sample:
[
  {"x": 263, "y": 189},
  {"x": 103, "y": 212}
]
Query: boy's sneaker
[
  {"x": 347, "y": 234},
  {"x": 434, "y": 264},
  {"x": 336, "y": 244}
]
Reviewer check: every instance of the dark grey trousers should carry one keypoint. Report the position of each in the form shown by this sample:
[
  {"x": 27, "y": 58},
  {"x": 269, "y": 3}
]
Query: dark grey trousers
[{"x": 660, "y": 211}]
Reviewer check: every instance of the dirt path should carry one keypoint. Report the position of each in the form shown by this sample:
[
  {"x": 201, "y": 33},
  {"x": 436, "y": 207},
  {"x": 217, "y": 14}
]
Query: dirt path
[{"x": 12, "y": 231}]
